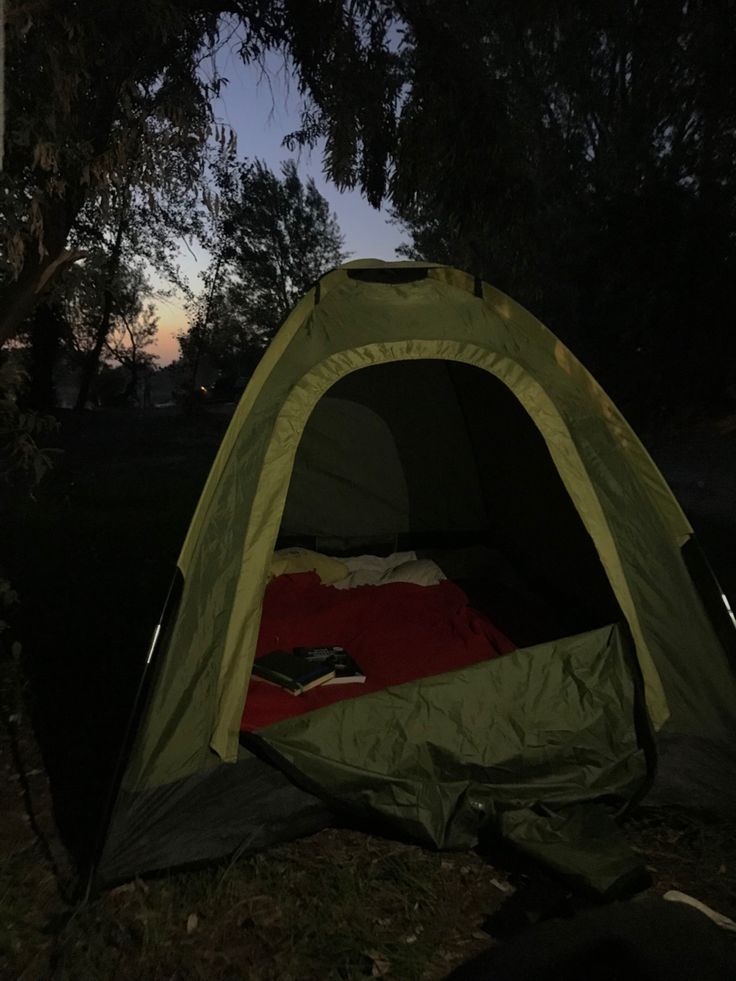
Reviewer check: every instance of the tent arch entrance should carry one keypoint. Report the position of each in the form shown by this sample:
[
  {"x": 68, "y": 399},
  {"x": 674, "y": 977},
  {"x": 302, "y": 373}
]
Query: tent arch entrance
[{"x": 273, "y": 484}]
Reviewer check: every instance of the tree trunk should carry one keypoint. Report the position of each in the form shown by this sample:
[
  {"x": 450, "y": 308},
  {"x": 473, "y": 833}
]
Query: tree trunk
[
  {"x": 18, "y": 297},
  {"x": 46, "y": 333},
  {"x": 92, "y": 362},
  {"x": 202, "y": 337},
  {"x": 131, "y": 389}
]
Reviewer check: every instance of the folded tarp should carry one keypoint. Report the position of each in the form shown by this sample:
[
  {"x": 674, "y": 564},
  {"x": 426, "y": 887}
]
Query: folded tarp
[{"x": 505, "y": 744}]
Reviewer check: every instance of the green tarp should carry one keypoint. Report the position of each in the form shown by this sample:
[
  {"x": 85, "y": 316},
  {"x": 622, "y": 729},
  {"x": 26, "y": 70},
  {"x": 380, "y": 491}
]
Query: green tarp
[{"x": 510, "y": 744}]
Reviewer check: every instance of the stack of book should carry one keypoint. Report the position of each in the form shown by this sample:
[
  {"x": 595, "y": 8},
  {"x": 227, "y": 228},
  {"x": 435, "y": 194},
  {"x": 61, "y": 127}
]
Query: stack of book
[{"x": 304, "y": 668}]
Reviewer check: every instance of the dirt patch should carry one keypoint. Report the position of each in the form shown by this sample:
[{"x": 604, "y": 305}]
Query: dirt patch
[{"x": 691, "y": 852}]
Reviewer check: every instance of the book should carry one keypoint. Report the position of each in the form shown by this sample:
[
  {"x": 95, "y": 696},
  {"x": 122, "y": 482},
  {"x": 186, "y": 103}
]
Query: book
[
  {"x": 347, "y": 670},
  {"x": 290, "y": 672}
]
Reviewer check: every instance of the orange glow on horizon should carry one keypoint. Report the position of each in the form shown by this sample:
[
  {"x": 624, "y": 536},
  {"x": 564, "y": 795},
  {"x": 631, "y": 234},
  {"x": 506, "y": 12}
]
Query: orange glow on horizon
[{"x": 172, "y": 321}]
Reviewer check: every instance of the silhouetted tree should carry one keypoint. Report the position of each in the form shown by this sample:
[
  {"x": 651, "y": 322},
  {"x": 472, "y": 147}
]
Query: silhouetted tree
[
  {"x": 581, "y": 159},
  {"x": 81, "y": 76},
  {"x": 277, "y": 236},
  {"x": 131, "y": 336}
]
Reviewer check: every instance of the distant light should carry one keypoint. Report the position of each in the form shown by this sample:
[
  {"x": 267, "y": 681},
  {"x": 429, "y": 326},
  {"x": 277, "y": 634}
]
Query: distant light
[
  {"x": 728, "y": 608},
  {"x": 203, "y": 389}
]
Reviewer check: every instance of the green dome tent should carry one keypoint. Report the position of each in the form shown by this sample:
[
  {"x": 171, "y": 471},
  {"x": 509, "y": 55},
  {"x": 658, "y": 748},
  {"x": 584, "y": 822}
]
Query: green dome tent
[{"x": 410, "y": 403}]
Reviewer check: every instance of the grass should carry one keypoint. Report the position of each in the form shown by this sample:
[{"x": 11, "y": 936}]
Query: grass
[
  {"x": 689, "y": 851},
  {"x": 340, "y": 905},
  {"x": 91, "y": 556}
]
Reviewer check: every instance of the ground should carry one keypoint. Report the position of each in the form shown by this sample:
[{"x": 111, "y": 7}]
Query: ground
[{"x": 90, "y": 555}]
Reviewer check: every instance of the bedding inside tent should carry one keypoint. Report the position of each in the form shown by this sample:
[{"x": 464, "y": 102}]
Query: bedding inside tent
[
  {"x": 396, "y": 632},
  {"x": 438, "y": 458}
]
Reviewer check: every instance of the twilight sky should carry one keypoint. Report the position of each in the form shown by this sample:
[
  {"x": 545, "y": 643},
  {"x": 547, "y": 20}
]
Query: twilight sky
[{"x": 262, "y": 110}]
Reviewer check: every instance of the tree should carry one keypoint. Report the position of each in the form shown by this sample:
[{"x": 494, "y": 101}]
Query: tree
[
  {"x": 284, "y": 237},
  {"x": 45, "y": 336},
  {"x": 22, "y": 459},
  {"x": 149, "y": 214},
  {"x": 206, "y": 330},
  {"x": 91, "y": 294},
  {"x": 276, "y": 238},
  {"x": 82, "y": 75},
  {"x": 580, "y": 160},
  {"x": 579, "y": 155},
  {"x": 131, "y": 335}
]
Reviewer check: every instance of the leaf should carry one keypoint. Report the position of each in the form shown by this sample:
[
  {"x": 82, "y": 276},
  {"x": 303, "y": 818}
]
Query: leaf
[
  {"x": 502, "y": 886},
  {"x": 380, "y": 965},
  {"x": 125, "y": 887}
]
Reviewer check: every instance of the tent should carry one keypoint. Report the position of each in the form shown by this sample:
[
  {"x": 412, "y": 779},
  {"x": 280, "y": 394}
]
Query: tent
[{"x": 410, "y": 405}]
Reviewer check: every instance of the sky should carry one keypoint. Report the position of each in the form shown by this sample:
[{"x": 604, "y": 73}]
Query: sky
[{"x": 262, "y": 110}]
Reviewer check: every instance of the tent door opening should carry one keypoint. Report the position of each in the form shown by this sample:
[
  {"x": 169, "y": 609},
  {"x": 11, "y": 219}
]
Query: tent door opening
[
  {"x": 507, "y": 681},
  {"x": 440, "y": 456},
  {"x": 435, "y": 461}
]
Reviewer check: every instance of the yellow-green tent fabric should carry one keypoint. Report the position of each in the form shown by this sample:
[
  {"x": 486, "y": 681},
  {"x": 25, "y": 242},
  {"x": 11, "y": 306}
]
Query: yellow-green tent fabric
[{"x": 409, "y": 323}]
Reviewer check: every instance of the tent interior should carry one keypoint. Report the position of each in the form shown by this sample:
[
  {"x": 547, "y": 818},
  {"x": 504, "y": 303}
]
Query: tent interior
[{"x": 437, "y": 458}]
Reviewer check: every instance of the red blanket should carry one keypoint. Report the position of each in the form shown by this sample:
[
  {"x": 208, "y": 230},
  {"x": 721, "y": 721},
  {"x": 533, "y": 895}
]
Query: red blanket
[{"x": 396, "y": 632}]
